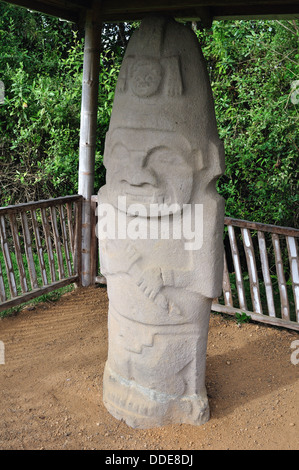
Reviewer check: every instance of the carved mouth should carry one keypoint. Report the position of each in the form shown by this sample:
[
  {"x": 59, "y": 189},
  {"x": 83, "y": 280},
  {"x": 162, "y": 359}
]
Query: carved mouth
[{"x": 143, "y": 198}]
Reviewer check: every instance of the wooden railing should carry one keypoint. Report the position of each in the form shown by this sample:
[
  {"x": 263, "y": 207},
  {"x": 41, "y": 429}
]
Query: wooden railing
[
  {"x": 41, "y": 243},
  {"x": 41, "y": 247},
  {"x": 261, "y": 273}
]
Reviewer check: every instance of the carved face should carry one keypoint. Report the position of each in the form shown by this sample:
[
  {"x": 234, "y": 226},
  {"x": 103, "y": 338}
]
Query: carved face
[
  {"x": 148, "y": 167},
  {"x": 145, "y": 77}
]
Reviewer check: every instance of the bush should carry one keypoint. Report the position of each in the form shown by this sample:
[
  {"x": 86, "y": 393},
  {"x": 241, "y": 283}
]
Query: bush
[
  {"x": 252, "y": 65},
  {"x": 40, "y": 118}
]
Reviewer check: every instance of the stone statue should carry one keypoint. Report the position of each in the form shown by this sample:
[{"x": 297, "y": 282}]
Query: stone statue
[{"x": 163, "y": 157}]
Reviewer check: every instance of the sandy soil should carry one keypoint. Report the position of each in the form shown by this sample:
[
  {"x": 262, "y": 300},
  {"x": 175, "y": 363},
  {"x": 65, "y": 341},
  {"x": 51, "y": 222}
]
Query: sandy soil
[{"x": 51, "y": 384}]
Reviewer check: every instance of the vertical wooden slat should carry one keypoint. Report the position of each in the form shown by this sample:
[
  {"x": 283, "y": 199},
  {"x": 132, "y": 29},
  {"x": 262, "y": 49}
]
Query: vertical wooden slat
[
  {"x": 39, "y": 247},
  {"x": 57, "y": 242},
  {"x": 46, "y": 229},
  {"x": 227, "y": 292},
  {"x": 252, "y": 271},
  {"x": 237, "y": 266},
  {"x": 2, "y": 287},
  {"x": 70, "y": 225},
  {"x": 7, "y": 258},
  {"x": 266, "y": 274},
  {"x": 65, "y": 239},
  {"x": 285, "y": 309},
  {"x": 94, "y": 253},
  {"x": 294, "y": 264},
  {"x": 77, "y": 240},
  {"x": 28, "y": 250},
  {"x": 18, "y": 252}
]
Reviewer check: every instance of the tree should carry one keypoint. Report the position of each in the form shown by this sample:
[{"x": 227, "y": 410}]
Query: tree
[
  {"x": 252, "y": 66},
  {"x": 41, "y": 61}
]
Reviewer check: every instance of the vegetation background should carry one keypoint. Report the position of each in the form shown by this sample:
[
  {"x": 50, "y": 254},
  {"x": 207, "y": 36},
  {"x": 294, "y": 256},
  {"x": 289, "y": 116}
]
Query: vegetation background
[{"x": 252, "y": 64}]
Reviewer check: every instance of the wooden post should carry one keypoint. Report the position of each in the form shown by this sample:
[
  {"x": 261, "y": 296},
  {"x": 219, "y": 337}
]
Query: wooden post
[
  {"x": 252, "y": 271},
  {"x": 89, "y": 104},
  {"x": 284, "y": 301},
  {"x": 266, "y": 273},
  {"x": 227, "y": 292},
  {"x": 237, "y": 266},
  {"x": 294, "y": 264},
  {"x": 94, "y": 249}
]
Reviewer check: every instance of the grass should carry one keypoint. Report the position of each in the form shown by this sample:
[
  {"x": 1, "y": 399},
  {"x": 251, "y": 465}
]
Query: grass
[
  {"x": 50, "y": 297},
  {"x": 53, "y": 296},
  {"x": 242, "y": 318},
  {"x": 262, "y": 289}
]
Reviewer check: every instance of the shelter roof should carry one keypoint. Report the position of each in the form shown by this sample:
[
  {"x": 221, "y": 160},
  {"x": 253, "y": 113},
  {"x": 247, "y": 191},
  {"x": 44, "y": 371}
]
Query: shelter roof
[{"x": 204, "y": 10}]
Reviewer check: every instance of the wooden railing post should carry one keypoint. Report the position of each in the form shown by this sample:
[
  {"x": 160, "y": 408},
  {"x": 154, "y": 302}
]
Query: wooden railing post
[
  {"x": 89, "y": 103},
  {"x": 263, "y": 309},
  {"x": 94, "y": 249},
  {"x": 40, "y": 246}
]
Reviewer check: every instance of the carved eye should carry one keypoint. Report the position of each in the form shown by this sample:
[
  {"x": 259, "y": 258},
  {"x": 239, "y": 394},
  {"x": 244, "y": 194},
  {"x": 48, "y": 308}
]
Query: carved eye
[
  {"x": 119, "y": 154},
  {"x": 165, "y": 156}
]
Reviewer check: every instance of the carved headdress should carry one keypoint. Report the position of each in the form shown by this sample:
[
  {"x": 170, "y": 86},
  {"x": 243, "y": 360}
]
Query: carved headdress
[{"x": 163, "y": 83}]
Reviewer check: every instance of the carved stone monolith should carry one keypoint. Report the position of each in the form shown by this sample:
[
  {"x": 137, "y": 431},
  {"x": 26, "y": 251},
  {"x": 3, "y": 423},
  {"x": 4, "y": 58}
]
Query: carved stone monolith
[{"x": 160, "y": 229}]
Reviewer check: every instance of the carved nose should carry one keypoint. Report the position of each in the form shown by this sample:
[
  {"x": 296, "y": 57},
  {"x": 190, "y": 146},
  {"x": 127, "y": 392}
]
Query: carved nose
[{"x": 138, "y": 173}]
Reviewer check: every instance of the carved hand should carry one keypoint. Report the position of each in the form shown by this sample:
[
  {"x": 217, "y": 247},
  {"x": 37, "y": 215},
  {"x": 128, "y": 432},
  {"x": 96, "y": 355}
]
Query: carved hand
[
  {"x": 150, "y": 282},
  {"x": 119, "y": 258}
]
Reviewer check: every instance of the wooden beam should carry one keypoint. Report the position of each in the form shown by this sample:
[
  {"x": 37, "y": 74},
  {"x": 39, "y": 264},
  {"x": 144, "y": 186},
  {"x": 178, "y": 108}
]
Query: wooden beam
[
  {"x": 256, "y": 316},
  {"x": 44, "y": 203},
  {"x": 58, "y": 9},
  {"x": 289, "y": 231},
  {"x": 294, "y": 265},
  {"x": 37, "y": 293},
  {"x": 89, "y": 105},
  {"x": 237, "y": 266},
  {"x": 252, "y": 271},
  {"x": 288, "y": 10},
  {"x": 118, "y": 10},
  {"x": 266, "y": 274},
  {"x": 121, "y": 6}
]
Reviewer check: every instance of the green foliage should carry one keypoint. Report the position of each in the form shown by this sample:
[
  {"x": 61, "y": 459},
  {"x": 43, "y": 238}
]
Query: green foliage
[
  {"x": 41, "y": 62},
  {"x": 49, "y": 297},
  {"x": 40, "y": 104},
  {"x": 242, "y": 317},
  {"x": 252, "y": 66}
]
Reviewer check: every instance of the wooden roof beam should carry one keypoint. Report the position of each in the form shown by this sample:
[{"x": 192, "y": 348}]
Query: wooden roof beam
[
  {"x": 285, "y": 11},
  {"x": 64, "y": 10},
  {"x": 135, "y": 9},
  {"x": 205, "y": 10}
]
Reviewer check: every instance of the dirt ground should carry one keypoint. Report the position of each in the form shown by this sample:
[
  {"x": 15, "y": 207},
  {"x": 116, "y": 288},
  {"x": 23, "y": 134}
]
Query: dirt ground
[{"x": 51, "y": 384}]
